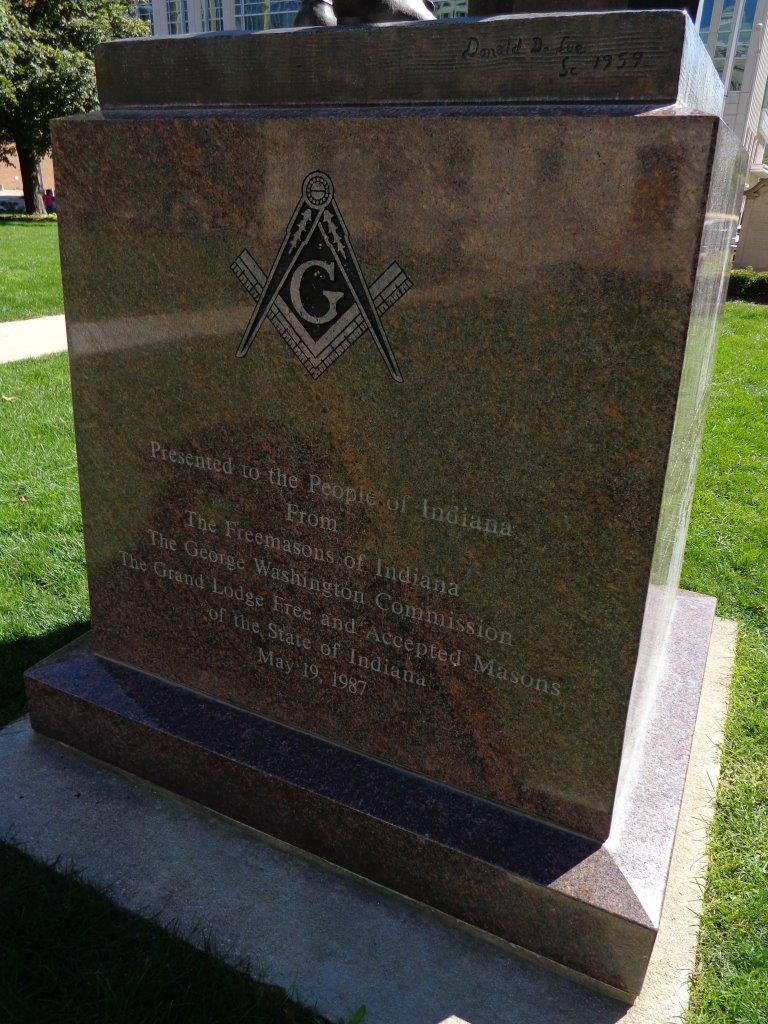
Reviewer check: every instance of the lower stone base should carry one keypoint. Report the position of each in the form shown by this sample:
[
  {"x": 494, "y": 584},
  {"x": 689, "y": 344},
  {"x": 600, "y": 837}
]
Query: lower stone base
[{"x": 592, "y": 908}]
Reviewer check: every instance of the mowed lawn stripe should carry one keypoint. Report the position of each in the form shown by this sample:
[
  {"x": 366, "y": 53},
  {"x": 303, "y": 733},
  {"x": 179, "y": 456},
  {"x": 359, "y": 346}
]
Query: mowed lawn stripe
[{"x": 30, "y": 278}]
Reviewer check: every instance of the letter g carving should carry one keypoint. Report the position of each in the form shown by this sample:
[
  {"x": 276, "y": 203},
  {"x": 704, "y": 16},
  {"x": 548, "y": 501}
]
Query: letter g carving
[{"x": 332, "y": 297}]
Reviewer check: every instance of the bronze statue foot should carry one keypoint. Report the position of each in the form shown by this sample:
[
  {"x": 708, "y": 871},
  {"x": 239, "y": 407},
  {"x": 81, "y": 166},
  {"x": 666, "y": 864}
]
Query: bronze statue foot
[{"x": 351, "y": 12}]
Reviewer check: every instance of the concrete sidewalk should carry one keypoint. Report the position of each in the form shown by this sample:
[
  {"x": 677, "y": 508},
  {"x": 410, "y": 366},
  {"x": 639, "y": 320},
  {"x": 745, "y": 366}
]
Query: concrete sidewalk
[
  {"x": 23, "y": 339},
  {"x": 330, "y": 938}
]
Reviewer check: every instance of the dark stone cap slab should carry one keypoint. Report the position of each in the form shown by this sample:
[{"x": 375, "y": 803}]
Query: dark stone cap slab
[{"x": 636, "y": 57}]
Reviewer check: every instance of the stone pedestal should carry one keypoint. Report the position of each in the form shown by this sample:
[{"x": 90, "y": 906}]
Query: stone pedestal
[{"x": 390, "y": 349}]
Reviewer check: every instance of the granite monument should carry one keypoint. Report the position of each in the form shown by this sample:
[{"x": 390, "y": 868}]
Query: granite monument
[{"x": 389, "y": 383}]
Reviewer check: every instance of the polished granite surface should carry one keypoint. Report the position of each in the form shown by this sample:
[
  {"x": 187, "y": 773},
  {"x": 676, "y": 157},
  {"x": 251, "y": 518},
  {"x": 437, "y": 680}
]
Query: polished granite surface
[
  {"x": 593, "y": 908},
  {"x": 449, "y": 573}
]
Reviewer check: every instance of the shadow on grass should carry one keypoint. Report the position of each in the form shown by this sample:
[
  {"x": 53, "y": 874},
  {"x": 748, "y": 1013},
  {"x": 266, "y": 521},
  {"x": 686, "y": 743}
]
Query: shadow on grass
[
  {"x": 70, "y": 955},
  {"x": 18, "y": 655}
]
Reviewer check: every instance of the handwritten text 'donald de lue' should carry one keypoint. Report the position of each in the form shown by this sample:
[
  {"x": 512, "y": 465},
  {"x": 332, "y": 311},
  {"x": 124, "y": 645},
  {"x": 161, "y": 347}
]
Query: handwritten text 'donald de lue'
[{"x": 510, "y": 47}]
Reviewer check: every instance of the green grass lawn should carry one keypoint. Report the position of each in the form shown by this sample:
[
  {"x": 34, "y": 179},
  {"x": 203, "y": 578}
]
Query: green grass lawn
[
  {"x": 70, "y": 956},
  {"x": 67, "y": 955},
  {"x": 727, "y": 555},
  {"x": 30, "y": 279},
  {"x": 74, "y": 957}
]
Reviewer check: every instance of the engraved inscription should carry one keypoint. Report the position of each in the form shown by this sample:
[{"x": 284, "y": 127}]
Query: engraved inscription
[
  {"x": 312, "y": 605},
  {"x": 575, "y": 56}
]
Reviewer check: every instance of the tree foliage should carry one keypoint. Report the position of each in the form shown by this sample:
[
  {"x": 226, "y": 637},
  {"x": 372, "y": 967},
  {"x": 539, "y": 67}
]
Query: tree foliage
[
  {"x": 7, "y": 56},
  {"x": 47, "y": 65}
]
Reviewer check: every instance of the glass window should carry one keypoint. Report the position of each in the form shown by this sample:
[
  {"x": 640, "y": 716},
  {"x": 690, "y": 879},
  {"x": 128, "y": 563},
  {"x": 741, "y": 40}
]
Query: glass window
[
  {"x": 451, "y": 8},
  {"x": 211, "y": 19},
  {"x": 742, "y": 45},
  {"x": 178, "y": 19},
  {"x": 723, "y": 35},
  {"x": 144, "y": 11},
  {"x": 253, "y": 15},
  {"x": 706, "y": 15}
]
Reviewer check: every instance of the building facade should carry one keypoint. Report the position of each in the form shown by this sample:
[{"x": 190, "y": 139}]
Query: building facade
[
  {"x": 11, "y": 192},
  {"x": 752, "y": 250},
  {"x": 734, "y": 32}
]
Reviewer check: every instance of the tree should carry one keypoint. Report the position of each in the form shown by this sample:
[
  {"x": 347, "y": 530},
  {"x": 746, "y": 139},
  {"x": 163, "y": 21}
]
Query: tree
[{"x": 46, "y": 70}]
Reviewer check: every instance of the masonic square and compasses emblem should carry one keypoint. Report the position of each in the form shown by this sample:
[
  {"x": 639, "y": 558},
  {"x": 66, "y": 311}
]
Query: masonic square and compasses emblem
[{"x": 315, "y": 295}]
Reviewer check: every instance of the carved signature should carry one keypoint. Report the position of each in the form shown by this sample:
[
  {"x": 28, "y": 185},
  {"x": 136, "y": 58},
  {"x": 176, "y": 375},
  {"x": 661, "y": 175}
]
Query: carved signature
[
  {"x": 567, "y": 47},
  {"x": 508, "y": 47}
]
